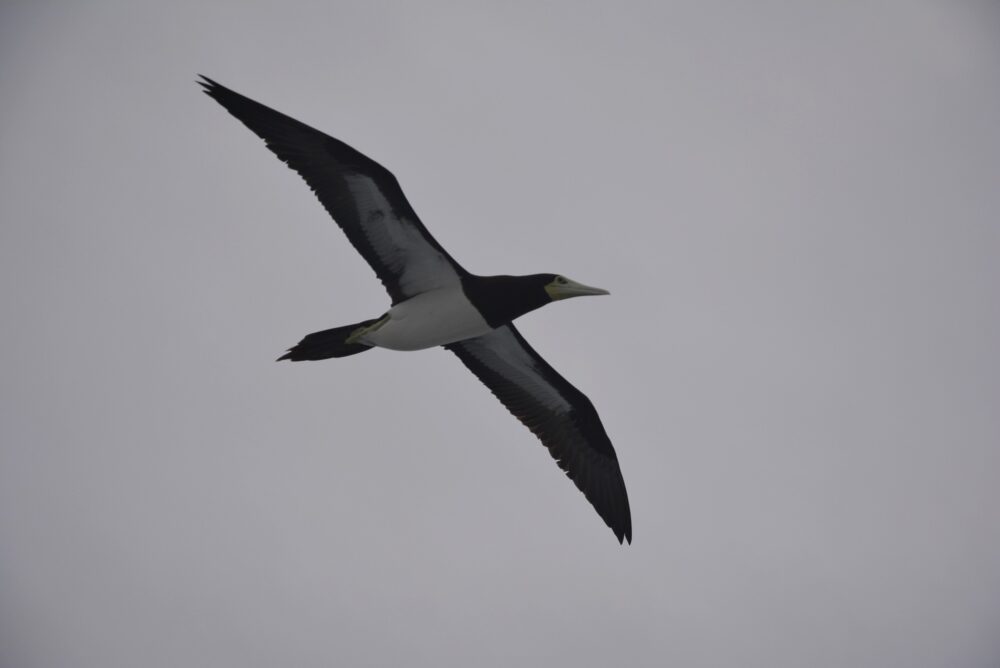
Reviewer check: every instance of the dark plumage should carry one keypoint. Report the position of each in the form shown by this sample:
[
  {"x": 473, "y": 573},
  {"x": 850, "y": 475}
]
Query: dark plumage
[
  {"x": 437, "y": 302},
  {"x": 501, "y": 299}
]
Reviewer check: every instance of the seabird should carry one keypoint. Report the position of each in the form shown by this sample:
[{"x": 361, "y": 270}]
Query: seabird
[{"x": 435, "y": 302}]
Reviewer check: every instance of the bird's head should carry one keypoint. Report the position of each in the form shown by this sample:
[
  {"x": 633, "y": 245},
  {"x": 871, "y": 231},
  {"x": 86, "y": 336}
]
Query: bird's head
[{"x": 501, "y": 299}]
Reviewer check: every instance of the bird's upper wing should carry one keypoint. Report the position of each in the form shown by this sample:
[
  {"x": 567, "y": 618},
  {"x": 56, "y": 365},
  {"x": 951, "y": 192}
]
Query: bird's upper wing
[
  {"x": 559, "y": 415},
  {"x": 362, "y": 196}
]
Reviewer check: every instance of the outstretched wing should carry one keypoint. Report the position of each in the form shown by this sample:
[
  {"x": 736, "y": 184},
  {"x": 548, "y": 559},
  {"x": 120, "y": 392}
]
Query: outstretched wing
[
  {"x": 362, "y": 196},
  {"x": 560, "y": 415}
]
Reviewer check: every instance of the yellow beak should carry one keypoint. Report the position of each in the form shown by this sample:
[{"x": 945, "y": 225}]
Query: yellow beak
[{"x": 564, "y": 288}]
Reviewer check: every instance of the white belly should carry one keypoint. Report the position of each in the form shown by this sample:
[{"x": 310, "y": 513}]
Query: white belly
[{"x": 430, "y": 319}]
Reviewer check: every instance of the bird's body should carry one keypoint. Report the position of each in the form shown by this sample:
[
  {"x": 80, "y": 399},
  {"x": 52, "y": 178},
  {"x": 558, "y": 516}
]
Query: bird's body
[
  {"x": 436, "y": 302},
  {"x": 434, "y": 318}
]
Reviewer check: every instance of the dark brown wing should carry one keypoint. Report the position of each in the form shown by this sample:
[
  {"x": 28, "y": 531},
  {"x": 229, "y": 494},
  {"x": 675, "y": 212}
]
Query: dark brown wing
[
  {"x": 560, "y": 415},
  {"x": 362, "y": 196}
]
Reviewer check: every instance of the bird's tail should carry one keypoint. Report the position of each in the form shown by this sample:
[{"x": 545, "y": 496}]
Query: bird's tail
[{"x": 336, "y": 342}]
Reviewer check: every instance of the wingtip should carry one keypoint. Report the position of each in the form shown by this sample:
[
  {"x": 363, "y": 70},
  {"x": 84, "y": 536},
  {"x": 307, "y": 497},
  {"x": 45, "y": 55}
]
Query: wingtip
[{"x": 209, "y": 86}]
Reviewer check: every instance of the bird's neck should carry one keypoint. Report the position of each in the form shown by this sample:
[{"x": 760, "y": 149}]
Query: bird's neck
[{"x": 501, "y": 299}]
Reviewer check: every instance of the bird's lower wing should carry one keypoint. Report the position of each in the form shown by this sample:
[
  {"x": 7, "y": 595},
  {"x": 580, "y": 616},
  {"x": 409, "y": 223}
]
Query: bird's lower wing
[
  {"x": 362, "y": 196},
  {"x": 560, "y": 415}
]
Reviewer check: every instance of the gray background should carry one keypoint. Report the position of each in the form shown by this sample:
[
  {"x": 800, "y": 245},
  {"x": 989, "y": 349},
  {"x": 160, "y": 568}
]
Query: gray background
[{"x": 794, "y": 205}]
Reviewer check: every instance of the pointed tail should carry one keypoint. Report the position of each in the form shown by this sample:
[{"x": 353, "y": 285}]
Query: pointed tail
[{"x": 328, "y": 343}]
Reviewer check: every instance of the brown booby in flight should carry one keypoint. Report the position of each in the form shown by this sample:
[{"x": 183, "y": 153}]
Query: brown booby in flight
[{"x": 435, "y": 302}]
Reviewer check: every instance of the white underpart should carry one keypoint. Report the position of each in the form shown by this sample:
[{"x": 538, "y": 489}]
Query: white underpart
[
  {"x": 430, "y": 319},
  {"x": 399, "y": 243}
]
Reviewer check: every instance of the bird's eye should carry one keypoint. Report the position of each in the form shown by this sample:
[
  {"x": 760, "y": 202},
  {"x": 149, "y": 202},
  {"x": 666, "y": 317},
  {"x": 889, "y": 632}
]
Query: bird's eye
[{"x": 560, "y": 280}]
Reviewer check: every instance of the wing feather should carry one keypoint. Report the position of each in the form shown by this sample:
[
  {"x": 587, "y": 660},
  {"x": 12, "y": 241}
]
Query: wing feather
[
  {"x": 561, "y": 416},
  {"x": 362, "y": 196}
]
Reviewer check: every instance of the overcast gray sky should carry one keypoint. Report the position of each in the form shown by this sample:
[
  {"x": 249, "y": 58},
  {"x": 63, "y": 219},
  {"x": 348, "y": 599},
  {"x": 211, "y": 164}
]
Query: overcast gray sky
[{"x": 793, "y": 204}]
